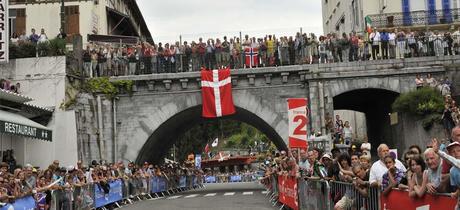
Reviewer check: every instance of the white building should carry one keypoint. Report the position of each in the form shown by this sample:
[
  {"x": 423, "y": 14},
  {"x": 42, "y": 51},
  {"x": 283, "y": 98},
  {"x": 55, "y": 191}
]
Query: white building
[
  {"x": 42, "y": 79},
  {"x": 82, "y": 17},
  {"x": 349, "y": 15}
]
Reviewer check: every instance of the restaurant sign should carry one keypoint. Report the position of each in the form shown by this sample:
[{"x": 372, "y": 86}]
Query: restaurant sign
[{"x": 24, "y": 130}]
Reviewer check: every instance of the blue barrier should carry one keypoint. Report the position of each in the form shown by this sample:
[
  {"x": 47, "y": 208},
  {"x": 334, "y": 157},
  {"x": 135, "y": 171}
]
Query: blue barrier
[
  {"x": 115, "y": 194},
  {"x": 235, "y": 178},
  {"x": 154, "y": 185},
  {"x": 210, "y": 179},
  {"x": 183, "y": 182},
  {"x": 25, "y": 203},
  {"x": 194, "y": 181},
  {"x": 162, "y": 184}
]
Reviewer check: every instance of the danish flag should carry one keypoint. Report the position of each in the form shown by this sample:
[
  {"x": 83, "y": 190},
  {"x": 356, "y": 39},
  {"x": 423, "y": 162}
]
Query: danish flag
[{"x": 216, "y": 93}]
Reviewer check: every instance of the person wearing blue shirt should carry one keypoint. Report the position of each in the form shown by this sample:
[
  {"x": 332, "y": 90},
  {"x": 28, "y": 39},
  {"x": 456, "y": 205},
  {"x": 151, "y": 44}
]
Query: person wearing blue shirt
[
  {"x": 384, "y": 38},
  {"x": 34, "y": 37}
]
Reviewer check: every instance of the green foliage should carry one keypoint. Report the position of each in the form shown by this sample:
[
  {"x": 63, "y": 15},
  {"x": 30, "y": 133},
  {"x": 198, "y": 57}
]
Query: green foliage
[
  {"x": 22, "y": 50},
  {"x": 57, "y": 47},
  {"x": 426, "y": 103},
  {"x": 420, "y": 102},
  {"x": 52, "y": 47},
  {"x": 110, "y": 89},
  {"x": 231, "y": 134}
]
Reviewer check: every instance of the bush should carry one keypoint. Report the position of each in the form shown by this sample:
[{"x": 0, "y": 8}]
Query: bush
[
  {"x": 426, "y": 103},
  {"x": 110, "y": 89},
  {"x": 53, "y": 47},
  {"x": 421, "y": 102}
]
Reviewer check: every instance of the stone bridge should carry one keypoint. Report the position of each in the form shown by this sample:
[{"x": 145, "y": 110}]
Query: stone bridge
[{"x": 143, "y": 126}]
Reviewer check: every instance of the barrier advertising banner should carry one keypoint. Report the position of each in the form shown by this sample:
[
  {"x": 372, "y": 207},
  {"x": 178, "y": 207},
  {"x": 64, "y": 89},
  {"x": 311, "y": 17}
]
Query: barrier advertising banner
[
  {"x": 115, "y": 194},
  {"x": 183, "y": 182},
  {"x": 398, "y": 199},
  {"x": 210, "y": 179},
  {"x": 298, "y": 120},
  {"x": 22, "y": 203},
  {"x": 287, "y": 187}
]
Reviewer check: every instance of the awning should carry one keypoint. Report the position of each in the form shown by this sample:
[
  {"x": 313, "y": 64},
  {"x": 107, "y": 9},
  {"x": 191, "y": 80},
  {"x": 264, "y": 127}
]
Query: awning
[
  {"x": 16, "y": 124},
  {"x": 113, "y": 39}
]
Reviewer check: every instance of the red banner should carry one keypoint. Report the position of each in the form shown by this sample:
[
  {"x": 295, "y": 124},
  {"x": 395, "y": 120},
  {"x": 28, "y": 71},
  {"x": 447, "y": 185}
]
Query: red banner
[
  {"x": 287, "y": 192},
  {"x": 398, "y": 199},
  {"x": 298, "y": 121}
]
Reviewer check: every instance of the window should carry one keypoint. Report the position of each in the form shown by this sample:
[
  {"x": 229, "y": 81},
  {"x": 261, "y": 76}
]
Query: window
[{"x": 17, "y": 21}]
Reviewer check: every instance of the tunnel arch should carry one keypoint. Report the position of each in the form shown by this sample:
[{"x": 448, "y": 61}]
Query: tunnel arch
[
  {"x": 375, "y": 103},
  {"x": 162, "y": 139}
]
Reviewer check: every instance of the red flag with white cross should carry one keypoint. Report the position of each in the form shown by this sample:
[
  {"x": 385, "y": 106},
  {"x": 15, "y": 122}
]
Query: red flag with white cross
[{"x": 216, "y": 93}]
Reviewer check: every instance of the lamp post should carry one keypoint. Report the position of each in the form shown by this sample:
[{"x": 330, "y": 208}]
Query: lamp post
[{"x": 62, "y": 14}]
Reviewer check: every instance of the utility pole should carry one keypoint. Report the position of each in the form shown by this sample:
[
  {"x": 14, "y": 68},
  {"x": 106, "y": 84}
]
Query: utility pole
[{"x": 62, "y": 15}]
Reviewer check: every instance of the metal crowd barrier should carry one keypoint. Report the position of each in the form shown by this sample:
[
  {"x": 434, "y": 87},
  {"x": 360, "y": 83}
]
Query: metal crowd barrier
[
  {"x": 113, "y": 193},
  {"x": 230, "y": 178},
  {"x": 314, "y": 194}
]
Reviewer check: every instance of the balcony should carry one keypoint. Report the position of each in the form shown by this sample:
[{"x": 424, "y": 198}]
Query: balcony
[{"x": 415, "y": 18}]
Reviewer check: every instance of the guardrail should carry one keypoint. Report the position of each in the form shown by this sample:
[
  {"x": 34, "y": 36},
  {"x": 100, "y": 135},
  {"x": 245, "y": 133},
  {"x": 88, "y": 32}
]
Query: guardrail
[{"x": 101, "y": 195}]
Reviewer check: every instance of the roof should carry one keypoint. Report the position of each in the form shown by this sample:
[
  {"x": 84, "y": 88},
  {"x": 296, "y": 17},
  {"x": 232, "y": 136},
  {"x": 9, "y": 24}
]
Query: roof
[
  {"x": 11, "y": 96},
  {"x": 143, "y": 24}
]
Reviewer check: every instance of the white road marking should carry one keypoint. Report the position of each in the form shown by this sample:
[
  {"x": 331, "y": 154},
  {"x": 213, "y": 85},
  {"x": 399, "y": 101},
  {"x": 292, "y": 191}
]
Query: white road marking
[
  {"x": 174, "y": 197},
  {"x": 264, "y": 192},
  {"x": 191, "y": 196},
  {"x": 210, "y": 194},
  {"x": 229, "y": 193},
  {"x": 248, "y": 193}
]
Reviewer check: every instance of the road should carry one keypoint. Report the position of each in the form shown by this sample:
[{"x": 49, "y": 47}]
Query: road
[{"x": 228, "y": 196}]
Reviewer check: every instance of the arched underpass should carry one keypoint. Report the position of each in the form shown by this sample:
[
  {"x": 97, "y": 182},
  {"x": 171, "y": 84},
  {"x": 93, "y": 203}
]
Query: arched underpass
[
  {"x": 376, "y": 104},
  {"x": 163, "y": 138}
]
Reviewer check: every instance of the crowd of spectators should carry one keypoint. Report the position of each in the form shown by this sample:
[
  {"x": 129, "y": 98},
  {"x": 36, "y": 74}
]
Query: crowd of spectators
[
  {"x": 433, "y": 170},
  {"x": 17, "y": 182},
  {"x": 9, "y": 86},
  {"x": 342, "y": 131},
  {"x": 102, "y": 59}
]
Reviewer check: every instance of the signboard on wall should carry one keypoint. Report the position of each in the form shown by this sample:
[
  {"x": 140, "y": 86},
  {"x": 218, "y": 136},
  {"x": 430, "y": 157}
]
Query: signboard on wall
[
  {"x": 298, "y": 121},
  {"x": 4, "y": 34}
]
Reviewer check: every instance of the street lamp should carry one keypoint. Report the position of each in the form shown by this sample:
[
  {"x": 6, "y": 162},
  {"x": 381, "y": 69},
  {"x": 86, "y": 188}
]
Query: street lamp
[{"x": 62, "y": 15}]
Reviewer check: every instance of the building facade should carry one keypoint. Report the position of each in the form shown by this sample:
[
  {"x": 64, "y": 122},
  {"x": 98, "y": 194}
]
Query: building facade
[
  {"x": 82, "y": 17},
  {"x": 345, "y": 16},
  {"x": 44, "y": 79}
]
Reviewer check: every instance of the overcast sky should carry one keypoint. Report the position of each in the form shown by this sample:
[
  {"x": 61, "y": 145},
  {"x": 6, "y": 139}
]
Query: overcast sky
[{"x": 168, "y": 19}]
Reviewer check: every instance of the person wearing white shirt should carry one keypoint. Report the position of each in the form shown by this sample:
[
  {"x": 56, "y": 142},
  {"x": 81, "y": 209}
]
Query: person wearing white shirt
[
  {"x": 379, "y": 168},
  {"x": 374, "y": 37},
  {"x": 392, "y": 44}
]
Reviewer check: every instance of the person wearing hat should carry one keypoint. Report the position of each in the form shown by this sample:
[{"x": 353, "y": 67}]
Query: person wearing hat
[{"x": 453, "y": 158}]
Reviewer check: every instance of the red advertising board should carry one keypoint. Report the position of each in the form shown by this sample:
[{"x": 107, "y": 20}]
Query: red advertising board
[
  {"x": 298, "y": 121},
  {"x": 287, "y": 191},
  {"x": 398, "y": 199}
]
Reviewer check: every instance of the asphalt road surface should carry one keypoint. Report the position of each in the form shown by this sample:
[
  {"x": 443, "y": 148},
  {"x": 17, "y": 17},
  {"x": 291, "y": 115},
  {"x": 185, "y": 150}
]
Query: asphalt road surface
[{"x": 228, "y": 196}]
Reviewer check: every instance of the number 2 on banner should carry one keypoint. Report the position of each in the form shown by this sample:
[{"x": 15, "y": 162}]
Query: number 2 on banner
[{"x": 301, "y": 129}]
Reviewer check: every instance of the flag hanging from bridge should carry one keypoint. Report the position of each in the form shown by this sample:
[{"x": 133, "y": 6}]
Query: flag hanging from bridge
[
  {"x": 252, "y": 57},
  {"x": 216, "y": 93}
]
